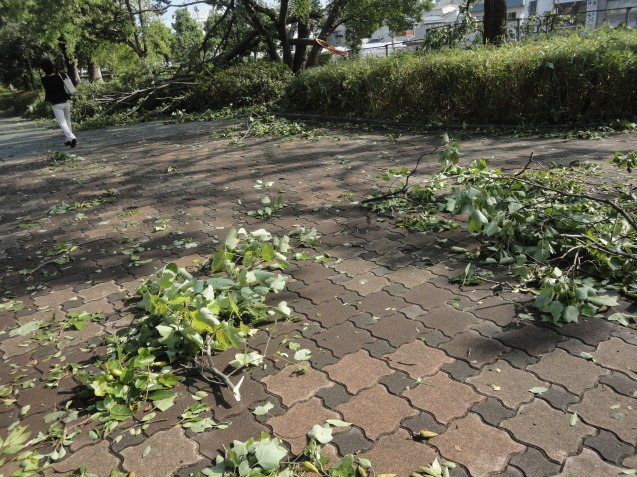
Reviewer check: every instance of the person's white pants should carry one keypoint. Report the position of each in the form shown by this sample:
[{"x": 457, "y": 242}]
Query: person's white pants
[{"x": 62, "y": 113}]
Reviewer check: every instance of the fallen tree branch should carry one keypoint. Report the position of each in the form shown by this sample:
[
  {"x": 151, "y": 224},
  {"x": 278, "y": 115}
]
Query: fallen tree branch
[
  {"x": 526, "y": 166},
  {"x": 405, "y": 185},
  {"x": 631, "y": 221},
  {"x": 235, "y": 389}
]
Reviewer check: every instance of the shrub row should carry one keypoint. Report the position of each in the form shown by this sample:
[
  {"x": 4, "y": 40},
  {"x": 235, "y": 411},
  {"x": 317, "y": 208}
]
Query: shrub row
[
  {"x": 578, "y": 77},
  {"x": 245, "y": 84}
]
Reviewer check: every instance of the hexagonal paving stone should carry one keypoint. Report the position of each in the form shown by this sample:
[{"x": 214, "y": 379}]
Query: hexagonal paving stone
[
  {"x": 366, "y": 284},
  {"x": 417, "y": 359},
  {"x": 428, "y": 296},
  {"x": 433, "y": 394},
  {"x": 605, "y": 408},
  {"x": 97, "y": 459},
  {"x": 397, "y": 329},
  {"x": 294, "y": 385},
  {"x": 449, "y": 320},
  {"x": 506, "y": 383},
  {"x": 348, "y": 371},
  {"x": 169, "y": 451},
  {"x": 540, "y": 425},
  {"x": 343, "y": 339},
  {"x": 474, "y": 348},
  {"x": 619, "y": 355},
  {"x": 294, "y": 425},
  {"x": 576, "y": 374},
  {"x": 481, "y": 448},
  {"x": 589, "y": 463},
  {"x": 399, "y": 454},
  {"x": 376, "y": 411}
]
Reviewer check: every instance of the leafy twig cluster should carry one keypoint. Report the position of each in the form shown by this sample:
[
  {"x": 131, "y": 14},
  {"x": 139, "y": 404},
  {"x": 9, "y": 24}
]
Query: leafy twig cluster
[{"x": 542, "y": 222}]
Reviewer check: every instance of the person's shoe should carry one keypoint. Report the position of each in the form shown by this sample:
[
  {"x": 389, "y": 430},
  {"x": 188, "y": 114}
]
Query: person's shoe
[
  {"x": 67, "y": 143},
  {"x": 74, "y": 143}
]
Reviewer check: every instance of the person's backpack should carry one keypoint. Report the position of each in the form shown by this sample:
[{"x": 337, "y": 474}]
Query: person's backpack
[{"x": 68, "y": 85}]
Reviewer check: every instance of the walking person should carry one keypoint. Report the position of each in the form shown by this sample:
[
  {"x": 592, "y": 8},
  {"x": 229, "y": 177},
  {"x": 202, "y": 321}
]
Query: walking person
[{"x": 58, "y": 97}]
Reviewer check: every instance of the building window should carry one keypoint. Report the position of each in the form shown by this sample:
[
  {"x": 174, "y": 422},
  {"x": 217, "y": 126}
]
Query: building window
[
  {"x": 511, "y": 16},
  {"x": 532, "y": 7}
]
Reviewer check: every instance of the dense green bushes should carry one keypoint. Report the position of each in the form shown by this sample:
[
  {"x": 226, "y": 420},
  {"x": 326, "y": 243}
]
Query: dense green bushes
[
  {"x": 567, "y": 78},
  {"x": 246, "y": 84},
  {"x": 19, "y": 101},
  {"x": 585, "y": 76}
]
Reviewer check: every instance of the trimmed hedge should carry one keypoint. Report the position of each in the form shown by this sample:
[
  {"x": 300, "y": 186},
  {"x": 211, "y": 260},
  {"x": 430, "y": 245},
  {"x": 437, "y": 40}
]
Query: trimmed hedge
[
  {"x": 246, "y": 84},
  {"x": 578, "y": 77}
]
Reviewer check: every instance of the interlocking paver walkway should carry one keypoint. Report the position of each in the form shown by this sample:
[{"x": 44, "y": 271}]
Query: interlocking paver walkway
[{"x": 395, "y": 347}]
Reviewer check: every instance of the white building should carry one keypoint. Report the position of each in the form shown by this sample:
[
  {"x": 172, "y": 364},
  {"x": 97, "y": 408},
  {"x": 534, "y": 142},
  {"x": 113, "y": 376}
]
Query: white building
[{"x": 589, "y": 13}]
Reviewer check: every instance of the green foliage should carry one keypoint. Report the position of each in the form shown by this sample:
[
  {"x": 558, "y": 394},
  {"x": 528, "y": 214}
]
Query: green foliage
[
  {"x": 50, "y": 332},
  {"x": 582, "y": 76},
  {"x": 187, "y": 316},
  {"x": 15, "y": 441},
  {"x": 269, "y": 206},
  {"x": 365, "y": 16},
  {"x": 36, "y": 454},
  {"x": 266, "y": 456},
  {"x": 23, "y": 102},
  {"x": 544, "y": 225},
  {"x": 246, "y": 84},
  {"x": 625, "y": 160},
  {"x": 452, "y": 35},
  {"x": 187, "y": 39}
]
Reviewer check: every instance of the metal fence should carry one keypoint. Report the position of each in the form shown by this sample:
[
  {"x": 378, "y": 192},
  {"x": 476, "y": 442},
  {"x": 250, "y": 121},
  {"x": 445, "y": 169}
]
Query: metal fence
[{"x": 521, "y": 28}]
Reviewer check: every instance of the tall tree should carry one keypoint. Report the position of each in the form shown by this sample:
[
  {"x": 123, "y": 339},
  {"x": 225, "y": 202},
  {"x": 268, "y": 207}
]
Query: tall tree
[
  {"x": 287, "y": 29},
  {"x": 72, "y": 30}
]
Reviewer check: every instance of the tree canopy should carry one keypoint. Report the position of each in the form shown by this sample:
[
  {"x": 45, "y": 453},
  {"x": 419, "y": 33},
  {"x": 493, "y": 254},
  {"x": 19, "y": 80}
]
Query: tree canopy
[
  {"x": 287, "y": 29},
  {"x": 88, "y": 33}
]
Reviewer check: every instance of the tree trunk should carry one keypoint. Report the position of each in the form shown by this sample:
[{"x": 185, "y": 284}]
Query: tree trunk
[
  {"x": 71, "y": 62},
  {"x": 495, "y": 22},
  {"x": 95, "y": 73},
  {"x": 328, "y": 27},
  {"x": 300, "y": 52},
  {"x": 249, "y": 41},
  {"x": 283, "y": 33}
]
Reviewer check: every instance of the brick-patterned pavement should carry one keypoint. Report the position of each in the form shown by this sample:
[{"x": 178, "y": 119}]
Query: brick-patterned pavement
[{"x": 395, "y": 347}]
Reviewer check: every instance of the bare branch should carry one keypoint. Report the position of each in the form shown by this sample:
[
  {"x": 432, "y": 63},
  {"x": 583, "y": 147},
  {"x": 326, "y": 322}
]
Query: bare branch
[
  {"x": 404, "y": 187},
  {"x": 526, "y": 166},
  {"x": 219, "y": 374}
]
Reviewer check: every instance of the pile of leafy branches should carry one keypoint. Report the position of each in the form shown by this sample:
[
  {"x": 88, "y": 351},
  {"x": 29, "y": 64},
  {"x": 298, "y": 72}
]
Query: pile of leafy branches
[
  {"x": 556, "y": 235},
  {"x": 188, "y": 320},
  {"x": 266, "y": 456}
]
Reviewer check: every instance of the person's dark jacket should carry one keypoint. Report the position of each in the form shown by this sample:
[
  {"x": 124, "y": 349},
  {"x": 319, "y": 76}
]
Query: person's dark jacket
[{"x": 54, "y": 88}]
